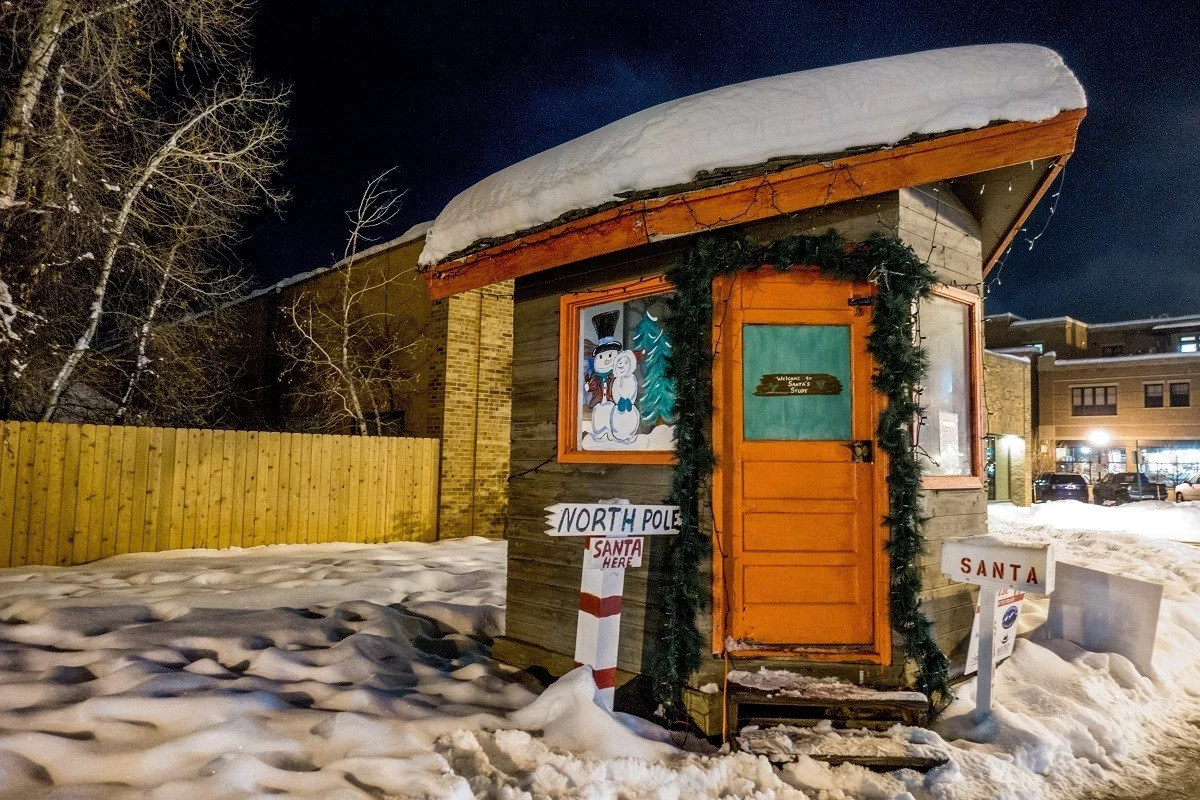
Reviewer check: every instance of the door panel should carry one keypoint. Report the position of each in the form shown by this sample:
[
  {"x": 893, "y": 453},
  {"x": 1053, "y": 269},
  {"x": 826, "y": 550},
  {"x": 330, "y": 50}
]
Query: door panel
[{"x": 800, "y": 518}]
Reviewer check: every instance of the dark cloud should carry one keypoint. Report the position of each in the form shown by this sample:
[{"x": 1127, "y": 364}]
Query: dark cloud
[{"x": 449, "y": 92}]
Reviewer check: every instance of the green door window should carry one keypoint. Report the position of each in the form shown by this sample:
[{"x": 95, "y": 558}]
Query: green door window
[{"x": 796, "y": 383}]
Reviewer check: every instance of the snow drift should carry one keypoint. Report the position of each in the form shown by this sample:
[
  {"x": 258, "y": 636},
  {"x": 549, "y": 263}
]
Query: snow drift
[
  {"x": 362, "y": 672},
  {"x": 865, "y": 104}
]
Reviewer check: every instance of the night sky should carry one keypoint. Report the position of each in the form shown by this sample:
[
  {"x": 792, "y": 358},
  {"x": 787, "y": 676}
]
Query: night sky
[{"x": 450, "y": 92}]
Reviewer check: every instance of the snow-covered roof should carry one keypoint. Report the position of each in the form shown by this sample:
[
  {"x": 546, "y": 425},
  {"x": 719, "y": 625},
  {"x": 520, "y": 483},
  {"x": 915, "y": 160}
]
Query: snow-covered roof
[
  {"x": 410, "y": 235},
  {"x": 1092, "y": 362},
  {"x": 830, "y": 110}
]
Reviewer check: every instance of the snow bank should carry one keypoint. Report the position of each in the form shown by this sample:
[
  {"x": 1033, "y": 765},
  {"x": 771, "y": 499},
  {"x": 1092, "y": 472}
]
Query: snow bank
[
  {"x": 829, "y": 110},
  {"x": 352, "y": 672}
]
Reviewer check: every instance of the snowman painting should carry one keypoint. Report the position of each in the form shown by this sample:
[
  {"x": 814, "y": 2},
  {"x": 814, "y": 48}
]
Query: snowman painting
[
  {"x": 625, "y": 417},
  {"x": 598, "y": 385}
]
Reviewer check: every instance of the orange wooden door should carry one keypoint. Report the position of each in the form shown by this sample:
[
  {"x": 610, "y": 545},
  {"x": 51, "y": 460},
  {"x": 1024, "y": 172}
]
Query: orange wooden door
[{"x": 799, "y": 506}]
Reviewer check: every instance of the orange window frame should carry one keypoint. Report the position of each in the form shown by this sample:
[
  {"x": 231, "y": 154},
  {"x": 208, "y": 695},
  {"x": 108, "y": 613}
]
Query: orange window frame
[
  {"x": 570, "y": 307},
  {"x": 974, "y": 306}
]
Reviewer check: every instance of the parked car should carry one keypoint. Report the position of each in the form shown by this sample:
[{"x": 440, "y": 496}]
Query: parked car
[
  {"x": 1059, "y": 486},
  {"x": 1188, "y": 488},
  {"x": 1127, "y": 487}
]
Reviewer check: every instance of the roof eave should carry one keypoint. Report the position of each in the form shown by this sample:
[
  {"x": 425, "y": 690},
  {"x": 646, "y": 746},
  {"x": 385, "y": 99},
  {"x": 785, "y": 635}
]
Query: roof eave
[{"x": 643, "y": 221}]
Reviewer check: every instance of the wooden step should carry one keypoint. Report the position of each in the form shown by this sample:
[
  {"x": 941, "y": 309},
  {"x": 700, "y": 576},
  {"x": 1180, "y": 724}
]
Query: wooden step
[
  {"x": 845, "y": 705},
  {"x": 871, "y": 749}
]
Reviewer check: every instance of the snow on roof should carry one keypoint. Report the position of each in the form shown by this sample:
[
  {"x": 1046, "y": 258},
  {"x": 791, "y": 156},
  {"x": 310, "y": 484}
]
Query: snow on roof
[
  {"x": 1091, "y": 362},
  {"x": 410, "y": 235},
  {"x": 821, "y": 111}
]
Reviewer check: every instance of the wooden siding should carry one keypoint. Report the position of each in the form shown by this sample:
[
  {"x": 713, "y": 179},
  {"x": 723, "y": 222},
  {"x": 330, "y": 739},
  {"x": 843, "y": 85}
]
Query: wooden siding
[
  {"x": 70, "y": 494},
  {"x": 543, "y": 571},
  {"x": 942, "y": 231}
]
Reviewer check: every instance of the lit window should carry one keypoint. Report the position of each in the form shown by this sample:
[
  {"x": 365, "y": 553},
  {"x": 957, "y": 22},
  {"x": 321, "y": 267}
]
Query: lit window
[
  {"x": 1154, "y": 395},
  {"x": 1181, "y": 395},
  {"x": 616, "y": 402},
  {"x": 1094, "y": 401},
  {"x": 948, "y": 437},
  {"x": 1036, "y": 346},
  {"x": 1189, "y": 343}
]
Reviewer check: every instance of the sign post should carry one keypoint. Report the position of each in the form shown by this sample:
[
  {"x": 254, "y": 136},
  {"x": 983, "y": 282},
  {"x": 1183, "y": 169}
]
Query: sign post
[
  {"x": 993, "y": 565},
  {"x": 614, "y": 532}
]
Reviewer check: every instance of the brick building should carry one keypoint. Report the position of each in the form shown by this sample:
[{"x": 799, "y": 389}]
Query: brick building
[
  {"x": 1111, "y": 397},
  {"x": 456, "y": 388},
  {"x": 1008, "y": 404}
]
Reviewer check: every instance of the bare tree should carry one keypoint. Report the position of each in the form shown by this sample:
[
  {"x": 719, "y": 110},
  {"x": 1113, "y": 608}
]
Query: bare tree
[
  {"x": 133, "y": 144},
  {"x": 217, "y": 157},
  {"x": 350, "y": 354}
]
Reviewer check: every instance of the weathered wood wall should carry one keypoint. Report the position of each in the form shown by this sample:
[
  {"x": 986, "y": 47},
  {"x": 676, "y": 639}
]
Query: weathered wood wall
[
  {"x": 70, "y": 494},
  {"x": 942, "y": 231}
]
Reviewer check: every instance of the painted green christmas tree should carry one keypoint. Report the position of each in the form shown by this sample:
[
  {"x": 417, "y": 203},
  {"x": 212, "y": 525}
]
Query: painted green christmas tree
[{"x": 657, "y": 397}]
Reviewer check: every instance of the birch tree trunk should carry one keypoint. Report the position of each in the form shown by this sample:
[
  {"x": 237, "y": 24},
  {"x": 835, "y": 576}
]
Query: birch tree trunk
[{"x": 19, "y": 124}]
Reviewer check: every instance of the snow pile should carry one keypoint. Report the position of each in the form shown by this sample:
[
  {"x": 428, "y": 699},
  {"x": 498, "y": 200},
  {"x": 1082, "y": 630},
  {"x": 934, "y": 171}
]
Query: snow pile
[
  {"x": 363, "y": 672},
  {"x": 829, "y": 110}
]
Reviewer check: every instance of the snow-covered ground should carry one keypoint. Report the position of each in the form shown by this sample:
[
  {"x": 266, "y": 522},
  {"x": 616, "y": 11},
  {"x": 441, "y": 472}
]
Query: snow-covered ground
[{"x": 343, "y": 671}]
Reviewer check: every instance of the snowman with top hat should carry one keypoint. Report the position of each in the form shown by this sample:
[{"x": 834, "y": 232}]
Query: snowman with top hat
[{"x": 613, "y": 384}]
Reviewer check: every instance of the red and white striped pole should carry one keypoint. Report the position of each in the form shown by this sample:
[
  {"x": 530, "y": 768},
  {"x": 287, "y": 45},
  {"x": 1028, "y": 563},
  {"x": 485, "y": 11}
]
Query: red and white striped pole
[{"x": 599, "y": 628}]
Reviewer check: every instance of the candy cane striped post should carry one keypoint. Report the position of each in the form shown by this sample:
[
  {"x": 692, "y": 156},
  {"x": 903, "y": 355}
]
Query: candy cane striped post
[{"x": 599, "y": 628}]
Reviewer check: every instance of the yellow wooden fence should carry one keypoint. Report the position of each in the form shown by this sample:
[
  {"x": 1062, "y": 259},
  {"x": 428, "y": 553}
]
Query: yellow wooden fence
[{"x": 70, "y": 494}]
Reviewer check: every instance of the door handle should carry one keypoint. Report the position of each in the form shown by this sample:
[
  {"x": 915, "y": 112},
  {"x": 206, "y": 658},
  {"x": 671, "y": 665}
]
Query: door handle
[{"x": 862, "y": 451}]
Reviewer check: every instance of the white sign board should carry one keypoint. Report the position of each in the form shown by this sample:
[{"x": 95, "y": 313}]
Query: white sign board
[
  {"x": 615, "y": 532},
  {"x": 614, "y": 552},
  {"x": 1007, "y": 617},
  {"x": 1106, "y": 613},
  {"x": 997, "y": 566},
  {"x": 611, "y": 519},
  {"x": 985, "y": 561}
]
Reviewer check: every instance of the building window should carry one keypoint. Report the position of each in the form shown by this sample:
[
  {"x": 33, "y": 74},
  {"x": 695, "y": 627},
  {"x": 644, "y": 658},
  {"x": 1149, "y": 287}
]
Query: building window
[
  {"x": 950, "y": 435},
  {"x": 1094, "y": 401},
  {"x": 616, "y": 404},
  {"x": 1036, "y": 346},
  {"x": 1190, "y": 343},
  {"x": 1181, "y": 395},
  {"x": 1154, "y": 395},
  {"x": 1111, "y": 350}
]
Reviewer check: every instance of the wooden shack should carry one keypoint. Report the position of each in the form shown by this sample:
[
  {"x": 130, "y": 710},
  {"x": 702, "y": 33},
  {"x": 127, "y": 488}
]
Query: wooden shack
[{"x": 797, "y": 507}]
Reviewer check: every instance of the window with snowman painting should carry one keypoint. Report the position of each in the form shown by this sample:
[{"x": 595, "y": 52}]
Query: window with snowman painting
[{"x": 623, "y": 400}]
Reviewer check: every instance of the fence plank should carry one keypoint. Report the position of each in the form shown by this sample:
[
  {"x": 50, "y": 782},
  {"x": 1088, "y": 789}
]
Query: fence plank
[
  {"x": 179, "y": 489},
  {"x": 237, "y": 497},
  {"x": 10, "y": 442},
  {"x": 26, "y": 458},
  {"x": 225, "y": 501},
  {"x": 81, "y": 494},
  {"x": 97, "y": 492},
  {"x": 67, "y": 497},
  {"x": 164, "y": 492},
  {"x": 138, "y": 491}
]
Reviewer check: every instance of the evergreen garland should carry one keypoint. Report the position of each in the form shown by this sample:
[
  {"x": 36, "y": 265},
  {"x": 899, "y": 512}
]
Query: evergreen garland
[{"x": 902, "y": 279}]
